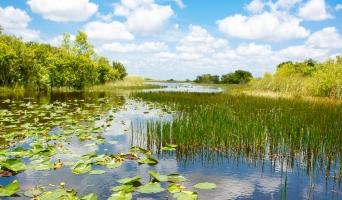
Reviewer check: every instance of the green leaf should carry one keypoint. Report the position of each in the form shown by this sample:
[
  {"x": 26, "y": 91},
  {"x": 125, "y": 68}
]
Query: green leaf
[
  {"x": 205, "y": 186},
  {"x": 10, "y": 189},
  {"x": 169, "y": 147},
  {"x": 148, "y": 160},
  {"x": 13, "y": 165},
  {"x": 155, "y": 175},
  {"x": 150, "y": 188},
  {"x": 113, "y": 164},
  {"x": 34, "y": 192},
  {"x": 97, "y": 172},
  {"x": 126, "y": 181},
  {"x": 175, "y": 188},
  {"x": 121, "y": 196},
  {"x": 59, "y": 194},
  {"x": 124, "y": 188},
  {"x": 175, "y": 178},
  {"x": 81, "y": 167},
  {"x": 90, "y": 196},
  {"x": 186, "y": 195}
]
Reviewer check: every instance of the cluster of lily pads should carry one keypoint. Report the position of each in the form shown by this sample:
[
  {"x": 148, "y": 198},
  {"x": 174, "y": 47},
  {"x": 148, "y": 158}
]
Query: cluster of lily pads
[
  {"x": 36, "y": 134},
  {"x": 84, "y": 165}
]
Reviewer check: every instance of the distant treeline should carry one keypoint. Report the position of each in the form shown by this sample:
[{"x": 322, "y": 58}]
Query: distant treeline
[
  {"x": 305, "y": 78},
  {"x": 39, "y": 66},
  {"x": 237, "y": 77}
]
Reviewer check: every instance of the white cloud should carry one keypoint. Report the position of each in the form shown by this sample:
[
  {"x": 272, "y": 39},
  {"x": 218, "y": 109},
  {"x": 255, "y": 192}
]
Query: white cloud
[
  {"x": 145, "y": 47},
  {"x": 255, "y": 6},
  {"x": 15, "y": 21},
  {"x": 108, "y": 31},
  {"x": 338, "y": 7},
  {"x": 286, "y": 4},
  {"x": 180, "y": 3},
  {"x": 143, "y": 16},
  {"x": 57, "y": 41},
  {"x": 302, "y": 52},
  {"x": 314, "y": 10},
  {"x": 63, "y": 10},
  {"x": 272, "y": 26},
  {"x": 327, "y": 38}
]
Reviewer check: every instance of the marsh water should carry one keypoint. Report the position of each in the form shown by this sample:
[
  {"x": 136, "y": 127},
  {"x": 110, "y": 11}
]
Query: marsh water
[{"x": 128, "y": 121}]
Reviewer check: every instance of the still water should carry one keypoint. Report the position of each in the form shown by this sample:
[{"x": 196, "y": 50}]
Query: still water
[{"x": 236, "y": 177}]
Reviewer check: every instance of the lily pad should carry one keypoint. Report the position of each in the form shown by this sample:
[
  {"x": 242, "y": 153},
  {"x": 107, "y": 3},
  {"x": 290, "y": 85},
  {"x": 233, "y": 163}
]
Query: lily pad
[
  {"x": 150, "y": 188},
  {"x": 13, "y": 165},
  {"x": 121, "y": 196},
  {"x": 124, "y": 188},
  {"x": 90, "y": 196},
  {"x": 148, "y": 160},
  {"x": 175, "y": 188},
  {"x": 10, "y": 189},
  {"x": 132, "y": 180},
  {"x": 114, "y": 164},
  {"x": 60, "y": 193},
  {"x": 34, "y": 192},
  {"x": 81, "y": 167},
  {"x": 169, "y": 147},
  {"x": 175, "y": 178},
  {"x": 97, "y": 172},
  {"x": 205, "y": 186},
  {"x": 186, "y": 195},
  {"x": 158, "y": 177}
]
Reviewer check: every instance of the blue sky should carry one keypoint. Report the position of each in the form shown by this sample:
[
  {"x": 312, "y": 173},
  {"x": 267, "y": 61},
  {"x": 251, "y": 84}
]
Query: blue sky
[{"x": 183, "y": 38}]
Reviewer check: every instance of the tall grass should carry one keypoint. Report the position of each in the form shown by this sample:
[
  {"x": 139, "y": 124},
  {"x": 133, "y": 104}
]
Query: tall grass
[{"x": 254, "y": 128}]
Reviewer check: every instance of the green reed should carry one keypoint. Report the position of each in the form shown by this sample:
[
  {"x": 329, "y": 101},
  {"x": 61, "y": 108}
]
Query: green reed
[{"x": 254, "y": 128}]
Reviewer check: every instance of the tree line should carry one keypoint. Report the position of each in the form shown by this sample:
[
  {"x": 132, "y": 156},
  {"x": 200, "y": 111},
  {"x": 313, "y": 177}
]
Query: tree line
[
  {"x": 237, "y": 77},
  {"x": 305, "y": 78},
  {"x": 40, "y": 66}
]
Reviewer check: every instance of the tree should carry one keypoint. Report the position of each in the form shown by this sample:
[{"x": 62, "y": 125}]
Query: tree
[
  {"x": 82, "y": 46},
  {"x": 66, "y": 41},
  {"x": 238, "y": 77},
  {"x": 120, "y": 68},
  {"x": 207, "y": 78},
  {"x": 1, "y": 29}
]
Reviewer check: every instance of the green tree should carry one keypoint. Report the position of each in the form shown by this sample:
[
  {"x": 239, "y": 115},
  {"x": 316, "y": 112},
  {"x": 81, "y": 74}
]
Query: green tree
[
  {"x": 238, "y": 77},
  {"x": 120, "y": 68}
]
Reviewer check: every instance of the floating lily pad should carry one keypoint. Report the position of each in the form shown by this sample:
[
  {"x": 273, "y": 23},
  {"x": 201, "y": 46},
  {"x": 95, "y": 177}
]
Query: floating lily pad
[
  {"x": 158, "y": 177},
  {"x": 97, "y": 172},
  {"x": 121, "y": 196},
  {"x": 34, "y": 192},
  {"x": 205, "y": 186},
  {"x": 59, "y": 194},
  {"x": 90, "y": 196},
  {"x": 114, "y": 164},
  {"x": 132, "y": 180},
  {"x": 186, "y": 195},
  {"x": 13, "y": 165},
  {"x": 170, "y": 147},
  {"x": 10, "y": 189},
  {"x": 124, "y": 188},
  {"x": 150, "y": 188},
  {"x": 148, "y": 160},
  {"x": 81, "y": 167},
  {"x": 175, "y": 178},
  {"x": 175, "y": 188}
]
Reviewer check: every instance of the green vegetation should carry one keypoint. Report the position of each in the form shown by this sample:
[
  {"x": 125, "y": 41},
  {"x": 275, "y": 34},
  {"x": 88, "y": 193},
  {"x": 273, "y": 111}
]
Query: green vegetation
[
  {"x": 235, "y": 126},
  {"x": 308, "y": 78},
  {"x": 41, "y": 67},
  {"x": 237, "y": 77}
]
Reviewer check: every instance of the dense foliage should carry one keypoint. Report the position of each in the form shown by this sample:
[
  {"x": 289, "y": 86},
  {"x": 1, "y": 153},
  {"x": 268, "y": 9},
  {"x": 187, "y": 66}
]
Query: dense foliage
[
  {"x": 40, "y": 66},
  {"x": 237, "y": 77},
  {"x": 305, "y": 78}
]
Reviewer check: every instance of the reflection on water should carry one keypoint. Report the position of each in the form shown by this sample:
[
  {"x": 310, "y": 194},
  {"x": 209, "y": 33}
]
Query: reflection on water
[
  {"x": 183, "y": 87},
  {"x": 237, "y": 176}
]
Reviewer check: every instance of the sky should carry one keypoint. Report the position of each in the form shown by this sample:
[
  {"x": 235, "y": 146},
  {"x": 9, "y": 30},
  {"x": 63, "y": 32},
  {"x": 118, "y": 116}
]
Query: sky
[{"x": 181, "y": 39}]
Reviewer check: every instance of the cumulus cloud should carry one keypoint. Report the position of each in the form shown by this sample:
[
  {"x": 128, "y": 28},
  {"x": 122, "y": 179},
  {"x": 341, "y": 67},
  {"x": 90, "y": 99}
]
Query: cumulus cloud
[
  {"x": 63, "y": 10},
  {"x": 180, "y": 3},
  {"x": 272, "y": 26},
  {"x": 338, "y": 7},
  {"x": 108, "y": 31},
  {"x": 327, "y": 38},
  {"x": 143, "y": 16},
  {"x": 314, "y": 10},
  {"x": 145, "y": 47},
  {"x": 15, "y": 21},
  {"x": 255, "y": 6}
]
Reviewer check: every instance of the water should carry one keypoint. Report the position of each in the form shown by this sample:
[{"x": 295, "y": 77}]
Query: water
[
  {"x": 237, "y": 177},
  {"x": 183, "y": 87}
]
